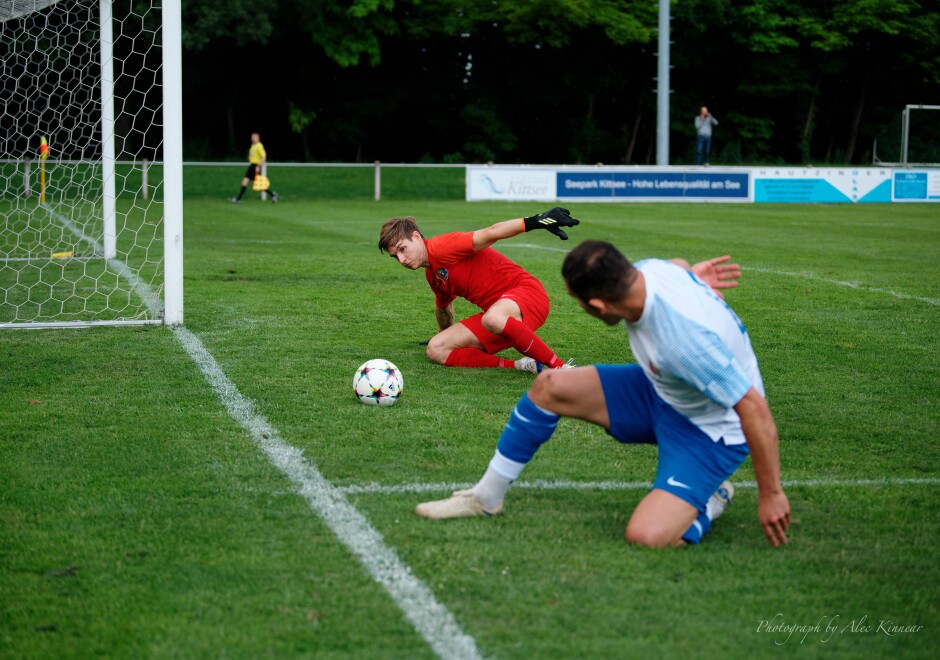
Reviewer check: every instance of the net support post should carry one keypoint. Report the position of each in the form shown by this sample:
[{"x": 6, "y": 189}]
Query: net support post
[
  {"x": 107, "y": 130},
  {"x": 172, "y": 164},
  {"x": 264, "y": 172},
  {"x": 27, "y": 190},
  {"x": 378, "y": 181},
  {"x": 145, "y": 178},
  {"x": 905, "y": 132}
]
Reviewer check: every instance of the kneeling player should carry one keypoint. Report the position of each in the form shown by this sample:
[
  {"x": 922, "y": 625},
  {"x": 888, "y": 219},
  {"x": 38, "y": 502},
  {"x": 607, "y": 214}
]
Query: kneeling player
[
  {"x": 696, "y": 393},
  {"x": 462, "y": 264}
]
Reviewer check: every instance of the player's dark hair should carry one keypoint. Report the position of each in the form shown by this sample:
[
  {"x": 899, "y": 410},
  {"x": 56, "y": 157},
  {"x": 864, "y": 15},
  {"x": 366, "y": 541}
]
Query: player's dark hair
[
  {"x": 395, "y": 230},
  {"x": 596, "y": 269}
]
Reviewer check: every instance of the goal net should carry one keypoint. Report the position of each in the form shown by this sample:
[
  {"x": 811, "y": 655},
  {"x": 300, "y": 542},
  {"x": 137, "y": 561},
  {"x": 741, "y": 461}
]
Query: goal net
[
  {"x": 90, "y": 163},
  {"x": 912, "y": 139}
]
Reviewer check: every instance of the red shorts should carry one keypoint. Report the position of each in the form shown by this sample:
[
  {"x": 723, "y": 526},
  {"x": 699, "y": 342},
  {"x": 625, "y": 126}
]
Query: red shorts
[{"x": 532, "y": 300}]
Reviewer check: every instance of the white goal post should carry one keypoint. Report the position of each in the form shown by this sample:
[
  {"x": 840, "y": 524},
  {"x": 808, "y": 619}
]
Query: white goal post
[
  {"x": 896, "y": 140},
  {"x": 91, "y": 116}
]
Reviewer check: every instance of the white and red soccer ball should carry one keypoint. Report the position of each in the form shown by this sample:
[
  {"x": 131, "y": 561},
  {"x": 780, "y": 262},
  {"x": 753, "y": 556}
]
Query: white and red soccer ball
[{"x": 378, "y": 382}]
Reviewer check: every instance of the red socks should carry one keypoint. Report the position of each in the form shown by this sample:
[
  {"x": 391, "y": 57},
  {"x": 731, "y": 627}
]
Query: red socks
[
  {"x": 525, "y": 341},
  {"x": 472, "y": 357}
]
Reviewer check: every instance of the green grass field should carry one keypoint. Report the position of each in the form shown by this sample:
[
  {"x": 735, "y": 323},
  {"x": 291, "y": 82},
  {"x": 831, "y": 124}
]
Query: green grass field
[{"x": 140, "y": 517}]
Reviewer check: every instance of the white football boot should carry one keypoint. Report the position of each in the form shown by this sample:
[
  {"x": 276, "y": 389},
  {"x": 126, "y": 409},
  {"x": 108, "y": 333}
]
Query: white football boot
[{"x": 462, "y": 504}]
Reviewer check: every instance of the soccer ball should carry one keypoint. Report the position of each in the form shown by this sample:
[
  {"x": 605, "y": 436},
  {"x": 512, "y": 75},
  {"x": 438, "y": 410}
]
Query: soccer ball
[{"x": 378, "y": 382}]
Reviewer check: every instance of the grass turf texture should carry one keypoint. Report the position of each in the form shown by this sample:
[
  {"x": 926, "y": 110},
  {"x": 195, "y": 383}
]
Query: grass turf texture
[{"x": 139, "y": 519}]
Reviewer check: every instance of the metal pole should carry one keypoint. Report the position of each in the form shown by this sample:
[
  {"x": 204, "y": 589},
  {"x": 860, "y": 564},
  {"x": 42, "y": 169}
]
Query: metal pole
[
  {"x": 264, "y": 172},
  {"x": 662, "y": 87},
  {"x": 27, "y": 191},
  {"x": 905, "y": 132},
  {"x": 145, "y": 179},
  {"x": 172, "y": 164},
  {"x": 378, "y": 181},
  {"x": 107, "y": 130}
]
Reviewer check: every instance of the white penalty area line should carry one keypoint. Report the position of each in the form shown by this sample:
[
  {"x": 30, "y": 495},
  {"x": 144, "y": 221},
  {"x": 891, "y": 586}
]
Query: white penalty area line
[
  {"x": 805, "y": 275},
  {"x": 850, "y": 285},
  {"x": 431, "y": 620},
  {"x": 542, "y": 484}
]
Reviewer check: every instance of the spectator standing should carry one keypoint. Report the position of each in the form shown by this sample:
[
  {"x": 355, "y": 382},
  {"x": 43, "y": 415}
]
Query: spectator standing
[{"x": 703, "y": 127}]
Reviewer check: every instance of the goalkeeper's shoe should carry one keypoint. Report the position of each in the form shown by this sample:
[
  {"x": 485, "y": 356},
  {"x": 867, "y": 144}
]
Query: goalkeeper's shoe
[
  {"x": 234, "y": 200},
  {"x": 719, "y": 500},
  {"x": 462, "y": 504},
  {"x": 273, "y": 197},
  {"x": 530, "y": 365}
]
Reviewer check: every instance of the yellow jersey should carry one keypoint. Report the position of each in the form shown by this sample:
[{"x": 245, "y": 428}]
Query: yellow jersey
[{"x": 256, "y": 154}]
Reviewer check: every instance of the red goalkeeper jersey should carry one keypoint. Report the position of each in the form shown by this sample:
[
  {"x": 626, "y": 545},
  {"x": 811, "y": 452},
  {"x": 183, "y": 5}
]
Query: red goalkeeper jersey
[{"x": 479, "y": 277}]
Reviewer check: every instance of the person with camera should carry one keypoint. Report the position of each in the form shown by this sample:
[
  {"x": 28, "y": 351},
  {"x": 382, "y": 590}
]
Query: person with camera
[{"x": 703, "y": 127}]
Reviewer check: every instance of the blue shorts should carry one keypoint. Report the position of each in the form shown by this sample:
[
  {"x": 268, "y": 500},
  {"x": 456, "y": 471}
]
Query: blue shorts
[{"x": 691, "y": 465}]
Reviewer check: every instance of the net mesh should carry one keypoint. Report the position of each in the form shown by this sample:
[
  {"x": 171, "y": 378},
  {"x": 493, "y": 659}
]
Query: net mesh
[
  {"x": 923, "y": 141},
  {"x": 80, "y": 216}
]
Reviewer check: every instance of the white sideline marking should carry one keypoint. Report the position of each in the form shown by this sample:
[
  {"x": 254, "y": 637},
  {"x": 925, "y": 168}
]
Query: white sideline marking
[
  {"x": 541, "y": 484},
  {"x": 433, "y": 621},
  {"x": 533, "y": 246},
  {"x": 851, "y": 285},
  {"x": 806, "y": 275}
]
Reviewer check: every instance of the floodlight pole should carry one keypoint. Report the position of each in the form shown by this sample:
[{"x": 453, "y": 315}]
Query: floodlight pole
[
  {"x": 662, "y": 87},
  {"x": 172, "y": 163}
]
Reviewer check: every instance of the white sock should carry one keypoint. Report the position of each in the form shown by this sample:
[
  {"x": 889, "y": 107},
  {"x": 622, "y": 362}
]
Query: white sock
[
  {"x": 714, "y": 508},
  {"x": 491, "y": 489}
]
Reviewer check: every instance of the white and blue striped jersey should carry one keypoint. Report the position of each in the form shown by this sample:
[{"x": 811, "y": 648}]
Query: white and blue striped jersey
[{"x": 694, "y": 349}]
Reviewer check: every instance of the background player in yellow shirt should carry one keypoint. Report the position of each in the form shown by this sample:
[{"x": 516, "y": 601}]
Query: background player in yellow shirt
[{"x": 256, "y": 158}]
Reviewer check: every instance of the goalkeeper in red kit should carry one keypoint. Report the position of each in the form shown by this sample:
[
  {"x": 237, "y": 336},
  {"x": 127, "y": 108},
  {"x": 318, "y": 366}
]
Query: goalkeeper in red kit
[{"x": 462, "y": 264}]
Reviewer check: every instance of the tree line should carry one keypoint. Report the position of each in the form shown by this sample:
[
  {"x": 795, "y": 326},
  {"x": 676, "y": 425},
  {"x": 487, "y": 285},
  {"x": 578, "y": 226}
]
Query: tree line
[{"x": 551, "y": 81}]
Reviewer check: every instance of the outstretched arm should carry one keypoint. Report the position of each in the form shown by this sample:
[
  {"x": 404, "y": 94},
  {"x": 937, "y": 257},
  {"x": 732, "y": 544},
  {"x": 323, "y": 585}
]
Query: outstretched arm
[
  {"x": 760, "y": 431},
  {"x": 552, "y": 220},
  {"x": 483, "y": 238}
]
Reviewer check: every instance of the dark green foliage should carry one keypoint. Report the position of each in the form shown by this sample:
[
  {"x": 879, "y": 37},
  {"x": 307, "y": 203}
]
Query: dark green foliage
[{"x": 547, "y": 82}]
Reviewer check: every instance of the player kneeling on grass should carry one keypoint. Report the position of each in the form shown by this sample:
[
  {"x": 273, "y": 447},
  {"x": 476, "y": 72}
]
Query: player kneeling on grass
[
  {"x": 697, "y": 393},
  {"x": 462, "y": 264}
]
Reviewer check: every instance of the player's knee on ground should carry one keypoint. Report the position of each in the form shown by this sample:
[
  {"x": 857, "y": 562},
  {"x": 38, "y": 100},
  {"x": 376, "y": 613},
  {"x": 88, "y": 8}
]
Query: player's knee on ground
[
  {"x": 436, "y": 351},
  {"x": 650, "y": 536}
]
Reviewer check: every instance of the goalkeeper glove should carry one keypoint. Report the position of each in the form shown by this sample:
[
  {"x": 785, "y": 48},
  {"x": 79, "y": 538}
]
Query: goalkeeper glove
[{"x": 552, "y": 220}]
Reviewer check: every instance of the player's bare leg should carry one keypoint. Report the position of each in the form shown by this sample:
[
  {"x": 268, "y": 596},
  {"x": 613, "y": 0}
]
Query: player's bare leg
[
  {"x": 660, "y": 520},
  {"x": 664, "y": 520},
  {"x": 456, "y": 336},
  {"x": 504, "y": 318},
  {"x": 494, "y": 319},
  {"x": 572, "y": 393},
  {"x": 457, "y": 346}
]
